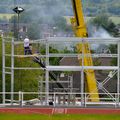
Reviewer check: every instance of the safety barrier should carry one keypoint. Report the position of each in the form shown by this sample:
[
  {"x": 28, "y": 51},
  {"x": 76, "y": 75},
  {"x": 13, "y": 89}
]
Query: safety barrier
[{"x": 58, "y": 99}]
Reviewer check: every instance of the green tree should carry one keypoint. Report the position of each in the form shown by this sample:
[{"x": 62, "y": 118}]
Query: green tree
[
  {"x": 109, "y": 26},
  {"x": 106, "y": 23},
  {"x": 34, "y": 31},
  {"x": 60, "y": 22},
  {"x": 113, "y": 49},
  {"x": 54, "y": 61}
]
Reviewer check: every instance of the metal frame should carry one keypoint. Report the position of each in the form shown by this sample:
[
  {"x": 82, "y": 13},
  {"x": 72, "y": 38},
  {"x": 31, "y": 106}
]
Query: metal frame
[
  {"x": 82, "y": 68},
  {"x": 59, "y": 68},
  {"x": 3, "y": 70}
]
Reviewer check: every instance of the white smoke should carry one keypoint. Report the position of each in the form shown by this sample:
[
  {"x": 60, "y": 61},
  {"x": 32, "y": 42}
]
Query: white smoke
[
  {"x": 47, "y": 9},
  {"x": 101, "y": 33}
]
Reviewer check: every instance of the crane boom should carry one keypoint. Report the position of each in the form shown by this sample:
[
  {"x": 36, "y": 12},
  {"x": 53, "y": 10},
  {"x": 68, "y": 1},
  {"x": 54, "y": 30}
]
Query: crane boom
[
  {"x": 80, "y": 30},
  {"x": 78, "y": 21}
]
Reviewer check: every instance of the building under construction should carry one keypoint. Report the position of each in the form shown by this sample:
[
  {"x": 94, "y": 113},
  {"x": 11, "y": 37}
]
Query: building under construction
[
  {"x": 68, "y": 86},
  {"x": 84, "y": 76}
]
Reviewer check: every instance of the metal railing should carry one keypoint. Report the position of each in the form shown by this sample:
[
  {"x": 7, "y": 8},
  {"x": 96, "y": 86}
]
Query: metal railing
[{"x": 59, "y": 99}]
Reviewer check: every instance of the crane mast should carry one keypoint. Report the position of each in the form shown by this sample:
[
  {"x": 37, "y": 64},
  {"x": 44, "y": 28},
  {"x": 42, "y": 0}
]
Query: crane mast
[
  {"x": 80, "y": 30},
  {"x": 78, "y": 21}
]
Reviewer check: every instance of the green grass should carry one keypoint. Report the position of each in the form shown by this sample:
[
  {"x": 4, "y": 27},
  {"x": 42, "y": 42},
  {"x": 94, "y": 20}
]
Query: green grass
[
  {"x": 115, "y": 19},
  {"x": 7, "y": 16},
  {"x": 58, "y": 117}
]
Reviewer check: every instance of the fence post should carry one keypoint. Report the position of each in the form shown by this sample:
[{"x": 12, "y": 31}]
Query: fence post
[
  {"x": 20, "y": 98},
  {"x": 116, "y": 100},
  {"x": 54, "y": 99},
  {"x": 85, "y": 100}
]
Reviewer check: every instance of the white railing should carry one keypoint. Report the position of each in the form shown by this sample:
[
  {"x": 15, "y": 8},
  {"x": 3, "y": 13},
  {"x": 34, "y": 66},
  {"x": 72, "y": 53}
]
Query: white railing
[{"x": 59, "y": 99}]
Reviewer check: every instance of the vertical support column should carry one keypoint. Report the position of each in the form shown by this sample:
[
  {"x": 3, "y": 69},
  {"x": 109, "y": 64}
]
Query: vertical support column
[
  {"x": 118, "y": 75},
  {"x": 54, "y": 100},
  {"x": 41, "y": 90},
  {"x": 47, "y": 53},
  {"x": 82, "y": 76},
  {"x": 47, "y": 86},
  {"x": 12, "y": 70},
  {"x": 71, "y": 84},
  {"x": 47, "y": 72},
  {"x": 3, "y": 70},
  {"x": 18, "y": 27}
]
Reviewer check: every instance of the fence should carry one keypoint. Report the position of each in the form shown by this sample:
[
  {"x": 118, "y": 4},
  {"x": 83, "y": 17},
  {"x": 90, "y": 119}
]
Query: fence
[{"x": 59, "y": 99}]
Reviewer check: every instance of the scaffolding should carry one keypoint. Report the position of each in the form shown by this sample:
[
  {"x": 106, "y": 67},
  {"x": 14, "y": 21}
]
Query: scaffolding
[{"x": 83, "y": 97}]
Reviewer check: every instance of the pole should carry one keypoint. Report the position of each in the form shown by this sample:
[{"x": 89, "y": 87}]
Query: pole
[
  {"x": 118, "y": 75},
  {"x": 47, "y": 72},
  {"x": 12, "y": 71},
  {"x": 3, "y": 70},
  {"x": 14, "y": 19},
  {"x": 18, "y": 27},
  {"x": 82, "y": 76}
]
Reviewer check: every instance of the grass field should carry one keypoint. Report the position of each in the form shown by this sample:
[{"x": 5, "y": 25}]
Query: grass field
[
  {"x": 58, "y": 117},
  {"x": 7, "y": 16},
  {"x": 116, "y": 19}
]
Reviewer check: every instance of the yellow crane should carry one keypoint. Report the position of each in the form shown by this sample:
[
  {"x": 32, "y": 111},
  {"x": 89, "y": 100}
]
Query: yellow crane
[{"x": 80, "y": 30}]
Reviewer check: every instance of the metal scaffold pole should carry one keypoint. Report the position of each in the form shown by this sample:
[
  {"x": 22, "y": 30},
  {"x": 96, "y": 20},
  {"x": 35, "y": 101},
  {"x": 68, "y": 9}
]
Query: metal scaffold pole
[
  {"x": 118, "y": 73},
  {"x": 12, "y": 71},
  {"x": 3, "y": 70},
  {"x": 47, "y": 86},
  {"x": 82, "y": 76},
  {"x": 47, "y": 72}
]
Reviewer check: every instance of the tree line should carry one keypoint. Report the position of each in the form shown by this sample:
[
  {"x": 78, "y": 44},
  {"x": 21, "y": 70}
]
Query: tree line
[{"x": 91, "y": 7}]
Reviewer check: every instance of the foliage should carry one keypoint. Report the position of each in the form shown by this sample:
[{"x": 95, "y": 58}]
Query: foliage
[
  {"x": 91, "y": 7},
  {"x": 106, "y": 23},
  {"x": 34, "y": 31},
  {"x": 97, "y": 62},
  {"x": 60, "y": 23},
  {"x": 23, "y": 80},
  {"x": 96, "y": 7},
  {"x": 113, "y": 49},
  {"x": 23, "y": 77},
  {"x": 54, "y": 61},
  {"x": 103, "y": 21},
  {"x": 4, "y": 20},
  {"x": 25, "y": 17}
]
